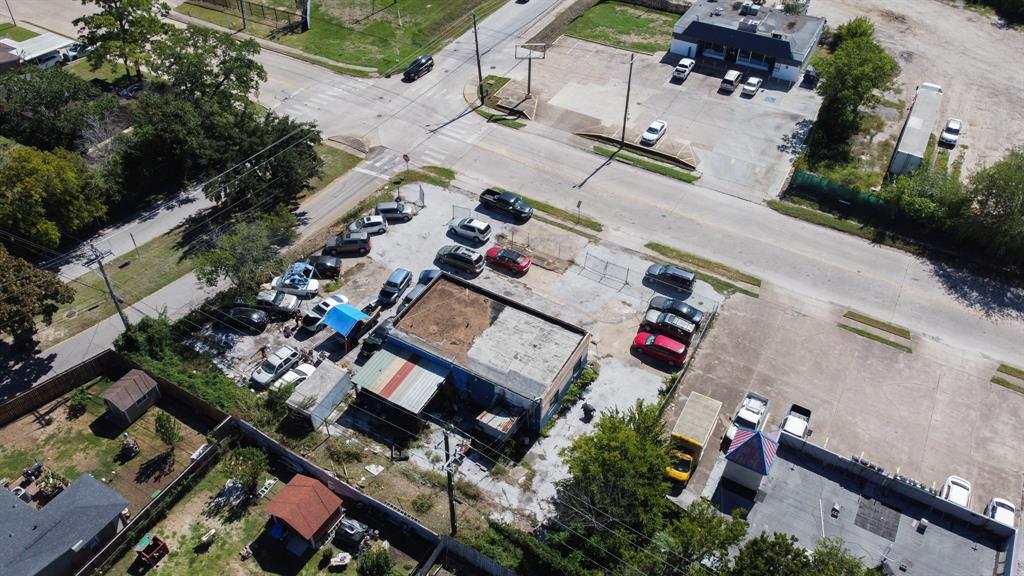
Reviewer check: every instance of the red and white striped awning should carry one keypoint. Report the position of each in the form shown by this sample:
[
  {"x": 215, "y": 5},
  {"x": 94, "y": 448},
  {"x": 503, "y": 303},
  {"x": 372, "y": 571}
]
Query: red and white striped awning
[{"x": 754, "y": 450}]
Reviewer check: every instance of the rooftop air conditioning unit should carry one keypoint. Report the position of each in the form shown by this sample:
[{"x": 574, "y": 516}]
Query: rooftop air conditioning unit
[
  {"x": 747, "y": 25},
  {"x": 780, "y": 36}
]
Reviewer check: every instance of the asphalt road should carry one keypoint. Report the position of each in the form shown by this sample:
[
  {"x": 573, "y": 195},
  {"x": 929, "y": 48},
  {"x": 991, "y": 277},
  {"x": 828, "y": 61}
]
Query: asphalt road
[{"x": 430, "y": 120}]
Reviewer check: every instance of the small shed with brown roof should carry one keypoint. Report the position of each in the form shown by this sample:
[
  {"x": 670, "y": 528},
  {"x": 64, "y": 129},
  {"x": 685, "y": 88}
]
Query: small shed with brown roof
[
  {"x": 130, "y": 397},
  {"x": 308, "y": 508}
]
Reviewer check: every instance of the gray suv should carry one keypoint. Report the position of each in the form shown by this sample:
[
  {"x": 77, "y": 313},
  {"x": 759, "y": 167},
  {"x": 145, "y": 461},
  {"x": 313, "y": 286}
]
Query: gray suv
[
  {"x": 395, "y": 211},
  {"x": 350, "y": 243}
]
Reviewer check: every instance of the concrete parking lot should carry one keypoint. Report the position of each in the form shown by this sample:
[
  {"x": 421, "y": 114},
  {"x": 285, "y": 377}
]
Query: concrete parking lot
[
  {"x": 744, "y": 144},
  {"x": 597, "y": 286},
  {"x": 926, "y": 415}
]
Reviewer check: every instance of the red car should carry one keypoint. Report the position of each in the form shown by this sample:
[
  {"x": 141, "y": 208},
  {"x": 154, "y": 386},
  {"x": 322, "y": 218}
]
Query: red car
[
  {"x": 508, "y": 259},
  {"x": 660, "y": 347}
]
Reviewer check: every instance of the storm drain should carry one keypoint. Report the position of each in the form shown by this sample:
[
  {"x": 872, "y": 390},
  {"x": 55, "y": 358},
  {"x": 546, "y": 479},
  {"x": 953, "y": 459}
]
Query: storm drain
[{"x": 877, "y": 518}]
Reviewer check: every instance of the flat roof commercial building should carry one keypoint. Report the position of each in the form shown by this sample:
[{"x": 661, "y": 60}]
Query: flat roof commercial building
[
  {"x": 891, "y": 523},
  {"x": 512, "y": 362},
  {"x": 748, "y": 35}
]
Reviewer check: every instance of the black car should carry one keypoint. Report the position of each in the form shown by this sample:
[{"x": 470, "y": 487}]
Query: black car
[
  {"x": 245, "y": 319},
  {"x": 132, "y": 90},
  {"x": 461, "y": 258},
  {"x": 677, "y": 307},
  {"x": 427, "y": 275},
  {"x": 375, "y": 340},
  {"x": 324, "y": 266},
  {"x": 349, "y": 243},
  {"x": 671, "y": 276},
  {"x": 419, "y": 67},
  {"x": 102, "y": 84}
]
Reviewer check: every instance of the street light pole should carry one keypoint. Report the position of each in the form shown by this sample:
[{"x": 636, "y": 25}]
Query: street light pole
[
  {"x": 625, "y": 113},
  {"x": 11, "y": 13}
]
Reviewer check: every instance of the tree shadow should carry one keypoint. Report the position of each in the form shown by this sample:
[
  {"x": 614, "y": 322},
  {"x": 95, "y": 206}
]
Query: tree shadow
[
  {"x": 154, "y": 469},
  {"x": 20, "y": 371},
  {"x": 992, "y": 296},
  {"x": 794, "y": 142}
]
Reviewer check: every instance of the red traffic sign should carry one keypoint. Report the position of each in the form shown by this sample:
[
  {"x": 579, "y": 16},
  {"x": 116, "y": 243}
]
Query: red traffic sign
[{"x": 405, "y": 157}]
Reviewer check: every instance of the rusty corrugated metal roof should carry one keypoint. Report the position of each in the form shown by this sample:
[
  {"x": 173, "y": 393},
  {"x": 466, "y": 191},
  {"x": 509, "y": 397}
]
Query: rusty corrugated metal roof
[{"x": 401, "y": 377}]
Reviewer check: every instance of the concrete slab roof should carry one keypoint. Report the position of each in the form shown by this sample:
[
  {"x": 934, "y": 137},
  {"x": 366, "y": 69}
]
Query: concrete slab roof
[
  {"x": 496, "y": 338},
  {"x": 798, "y": 498}
]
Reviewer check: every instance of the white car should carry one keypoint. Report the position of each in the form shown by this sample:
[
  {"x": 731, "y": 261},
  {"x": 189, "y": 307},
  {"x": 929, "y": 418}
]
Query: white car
[
  {"x": 275, "y": 366},
  {"x": 471, "y": 228},
  {"x": 298, "y": 280},
  {"x": 48, "y": 60},
  {"x": 957, "y": 490},
  {"x": 751, "y": 86},
  {"x": 653, "y": 133},
  {"x": 375, "y": 224},
  {"x": 314, "y": 319},
  {"x": 951, "y": 133},
  {"x": 1001, "y": 511},
  {"x": 684, "y": 68},
  {"x": 295, "y": 376},
  {"x": 751, "y": 414}
]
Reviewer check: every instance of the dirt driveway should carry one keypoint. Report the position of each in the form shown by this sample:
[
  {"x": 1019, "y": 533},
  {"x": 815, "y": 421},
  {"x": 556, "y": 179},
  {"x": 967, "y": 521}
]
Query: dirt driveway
[{"x": 975, "y": 62}]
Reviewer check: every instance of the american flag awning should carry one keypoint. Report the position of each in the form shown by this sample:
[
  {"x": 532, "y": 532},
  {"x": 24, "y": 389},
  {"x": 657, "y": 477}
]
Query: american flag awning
[{"x": 754, "y": 450}]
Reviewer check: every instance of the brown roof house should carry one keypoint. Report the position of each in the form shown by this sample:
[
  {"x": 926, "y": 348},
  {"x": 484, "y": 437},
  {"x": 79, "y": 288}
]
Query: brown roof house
[
  {"x": 130, "y": 397},
  {"x": 304, "y": 513}
]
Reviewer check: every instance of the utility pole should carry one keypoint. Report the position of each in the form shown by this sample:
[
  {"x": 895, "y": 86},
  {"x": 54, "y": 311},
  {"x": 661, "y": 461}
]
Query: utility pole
[
  {"x": 479, "y": 68},
  {"x": 98, "y": 259},
  {"x": 529, "y": 74},
  {"x": 625, "y": 114},
  {"x": 449, "y": 465},
  {"x": 11, "y": 13}
]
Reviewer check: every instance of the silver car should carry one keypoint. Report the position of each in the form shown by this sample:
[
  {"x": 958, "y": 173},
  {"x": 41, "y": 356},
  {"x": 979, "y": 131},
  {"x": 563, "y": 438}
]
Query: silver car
[
  {"x": 471, "y": 228},
  {"x": 275, "y": 366}
]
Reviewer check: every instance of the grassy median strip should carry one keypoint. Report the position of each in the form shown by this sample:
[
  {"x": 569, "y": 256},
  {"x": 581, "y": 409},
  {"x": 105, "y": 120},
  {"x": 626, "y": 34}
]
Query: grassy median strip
[
  {"x": 649, "y": 165},
  {"x": 841, "y": 224},
  {"x": 566, "y": 227},
  {"x": 876, "y": 338},
  {"x": 563, "y": 214},
  {"x": 502, "y": 119},
  {"x": 709, "y": 265},
  {"x": 724, "y": 286},
  {"x": 999, "y": 380},
  {"x": 875, "y": 323},
  {"x": 1011, "y": 371}
]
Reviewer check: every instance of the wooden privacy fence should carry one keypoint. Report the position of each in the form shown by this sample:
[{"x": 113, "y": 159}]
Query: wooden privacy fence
[{"x": 106, "y": 363}]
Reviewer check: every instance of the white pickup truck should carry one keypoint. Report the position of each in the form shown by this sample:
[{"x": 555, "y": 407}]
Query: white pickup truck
[{"x": 752, "y": 414}]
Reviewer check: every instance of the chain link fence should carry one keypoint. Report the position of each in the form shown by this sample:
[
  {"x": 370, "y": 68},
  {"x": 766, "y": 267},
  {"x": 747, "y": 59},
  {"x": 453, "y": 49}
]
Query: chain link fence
[{"x": 261, "y": 13}]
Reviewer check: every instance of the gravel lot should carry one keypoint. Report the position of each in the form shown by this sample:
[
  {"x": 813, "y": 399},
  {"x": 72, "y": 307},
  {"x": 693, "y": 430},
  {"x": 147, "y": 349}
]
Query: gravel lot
[{"x": 975, "y": 62}]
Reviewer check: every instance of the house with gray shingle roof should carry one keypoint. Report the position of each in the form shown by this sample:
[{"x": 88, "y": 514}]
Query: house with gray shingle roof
[{"x": 59, "y": 537}]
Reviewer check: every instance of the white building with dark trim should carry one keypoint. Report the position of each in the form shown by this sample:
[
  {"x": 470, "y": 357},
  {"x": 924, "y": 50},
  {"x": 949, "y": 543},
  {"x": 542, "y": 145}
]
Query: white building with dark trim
[{"x": 756, "y": 39}]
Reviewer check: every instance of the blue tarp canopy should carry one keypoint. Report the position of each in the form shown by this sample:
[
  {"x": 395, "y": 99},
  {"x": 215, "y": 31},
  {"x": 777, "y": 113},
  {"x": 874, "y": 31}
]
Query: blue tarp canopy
[{"x": 343, "y": 317}]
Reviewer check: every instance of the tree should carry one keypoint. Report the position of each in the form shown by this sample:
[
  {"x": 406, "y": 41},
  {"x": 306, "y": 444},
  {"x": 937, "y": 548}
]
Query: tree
[
  {"x": 247, "y": 255},
  {"x": 201, "y": 63},
  {"x": 45, "y": 194},
  {"x": 933, "y": 199},
  {"x": 707, "y": 536},
  {"x": 285, "y": 161},
  {"x": 247, "y": 465},
  {"x": 997, "y": 193},
  {"x": 617, "y": 484},
  {"x": 859, "y": 27},
  {"x": 375, "y": 562},
  {"x": 149, "y": 337},
  {"x": 169, "y": 431},
  {"x": 27, "y": 293},
  {"x": 122, "y": 31},
  {"x": 849, "y": 79},
  {"x": 50, "y": 108},
  {"x": 830, "y": 558},
  {"x": 777, "y": 554}
]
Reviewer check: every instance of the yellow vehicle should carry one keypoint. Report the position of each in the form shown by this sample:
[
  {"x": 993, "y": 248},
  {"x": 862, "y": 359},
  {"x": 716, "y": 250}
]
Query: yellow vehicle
[{"x": 691, "y": 434}]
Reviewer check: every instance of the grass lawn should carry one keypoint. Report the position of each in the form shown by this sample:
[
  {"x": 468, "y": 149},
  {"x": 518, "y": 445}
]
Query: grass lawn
[
  {"x": 879, "y": 324},
  {"x": 336, "y": 163},
  {"x": 90, "y": 444},
  {"x": 8, "y": 30},
  {"x": 797, "y": 209},
  {"x": 649, "y": 165},
  {"x": 709, "y": 265},
  {"x": 134, "y": 275},
  {"x": 877, "y": 338},
  {"x": 351, "y": 32},
  {"x": 624, "y": 26},
  {"x": 108, "y": 72},
  {"x": 502, "y": 119}
]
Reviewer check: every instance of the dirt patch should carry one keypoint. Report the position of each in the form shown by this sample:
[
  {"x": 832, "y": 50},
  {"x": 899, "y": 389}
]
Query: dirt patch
[{"x": 450, "y": 318}]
